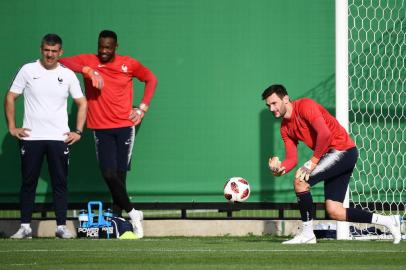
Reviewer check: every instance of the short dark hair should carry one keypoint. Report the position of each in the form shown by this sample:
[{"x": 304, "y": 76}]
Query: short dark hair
[
  {"x": 51, "y": 39},
  {"x": 108, "y": 34},
  {"x": 277, "y": 89}
]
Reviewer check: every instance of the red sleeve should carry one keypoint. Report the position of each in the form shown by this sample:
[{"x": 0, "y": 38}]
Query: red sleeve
[
  {"x": 310, "y": 111},
  {"x": 145, "y": 75},
  {"x": 290, "y": 151},
  {"x": 74, "y": 63},
  {"x": 323, "y": 137}
]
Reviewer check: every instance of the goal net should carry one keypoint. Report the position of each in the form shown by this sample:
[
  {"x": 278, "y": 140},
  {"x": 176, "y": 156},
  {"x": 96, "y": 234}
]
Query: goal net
[{"x": 376, "y": 105}]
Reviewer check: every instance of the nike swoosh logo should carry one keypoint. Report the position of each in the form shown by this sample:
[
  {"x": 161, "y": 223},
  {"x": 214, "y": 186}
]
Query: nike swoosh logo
[
  {"x": 66, "y": 152},
  {"x": 36, "y": 78},
  {"x": 100, "y": 65}
]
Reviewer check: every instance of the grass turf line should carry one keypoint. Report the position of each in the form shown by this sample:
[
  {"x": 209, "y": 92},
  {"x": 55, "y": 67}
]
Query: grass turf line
[{"x": 252, "y": 252}]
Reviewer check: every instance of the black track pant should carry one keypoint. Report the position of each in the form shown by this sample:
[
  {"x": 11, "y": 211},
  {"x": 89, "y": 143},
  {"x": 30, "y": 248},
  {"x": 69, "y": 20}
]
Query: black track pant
[{"x": 32, "y": 156}]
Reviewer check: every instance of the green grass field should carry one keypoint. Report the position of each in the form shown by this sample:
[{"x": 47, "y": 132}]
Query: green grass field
[{"x": 199, "y": 253}]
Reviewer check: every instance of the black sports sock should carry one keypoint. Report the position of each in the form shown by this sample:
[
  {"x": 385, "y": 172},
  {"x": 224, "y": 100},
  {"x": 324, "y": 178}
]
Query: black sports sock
[
  {"x": 305, "y": 202},
  {"x": 117, "y": 189},
  {"x": 358, "y": 215},
  {"x": 117, "y": 210}
]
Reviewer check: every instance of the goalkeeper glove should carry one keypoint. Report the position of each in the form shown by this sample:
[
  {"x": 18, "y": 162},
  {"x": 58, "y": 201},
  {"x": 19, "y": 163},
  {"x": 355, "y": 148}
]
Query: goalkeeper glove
[
  {"x": 97, "y": 79},
  {"x": 303, "y": 173},
  {"x": 275, "y": 166}
]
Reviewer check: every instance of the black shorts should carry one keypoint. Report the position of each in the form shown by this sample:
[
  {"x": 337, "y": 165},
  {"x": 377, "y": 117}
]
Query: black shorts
[
  {"x": 114, "y": 147},
  {"x": 335, "y": 169}
]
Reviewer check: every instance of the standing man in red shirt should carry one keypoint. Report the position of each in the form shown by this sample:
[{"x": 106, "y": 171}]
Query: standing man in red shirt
[
  {"x": 108, "y": 81},
  {"x": 333, "y": 161}
]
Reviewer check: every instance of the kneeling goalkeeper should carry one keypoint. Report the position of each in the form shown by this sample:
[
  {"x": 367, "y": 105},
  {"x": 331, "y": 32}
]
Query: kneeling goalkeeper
[{"x": 333, "y": 161}]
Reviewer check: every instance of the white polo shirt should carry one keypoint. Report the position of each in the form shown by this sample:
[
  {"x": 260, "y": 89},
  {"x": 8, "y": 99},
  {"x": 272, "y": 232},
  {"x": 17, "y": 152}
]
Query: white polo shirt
[{"x": 45, "y": 99}]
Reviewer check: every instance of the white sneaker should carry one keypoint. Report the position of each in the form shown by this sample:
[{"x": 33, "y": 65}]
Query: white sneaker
[
  {"x": 63, "y": 232},
  {"x": 137, "y": 225},
  {"x": 302, "y": 238},
  {"x": 395, "y": 228},
  {"x": 22, "y": 233}
]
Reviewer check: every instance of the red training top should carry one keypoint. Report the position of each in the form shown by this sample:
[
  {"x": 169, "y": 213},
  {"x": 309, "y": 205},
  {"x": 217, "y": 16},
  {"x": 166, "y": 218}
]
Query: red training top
[
  {"x": 111, "y": 106},
  {"x": 312, "y": 124}
]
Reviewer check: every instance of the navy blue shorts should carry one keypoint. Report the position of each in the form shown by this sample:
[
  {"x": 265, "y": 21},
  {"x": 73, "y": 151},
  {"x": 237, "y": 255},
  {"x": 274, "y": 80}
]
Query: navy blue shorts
[
  {"x": 114, "y": 147},
  {"x": 335, "y": 169}
]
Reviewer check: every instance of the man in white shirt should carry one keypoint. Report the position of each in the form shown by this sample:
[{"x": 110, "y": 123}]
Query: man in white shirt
[{"x": 46, "y": 86}]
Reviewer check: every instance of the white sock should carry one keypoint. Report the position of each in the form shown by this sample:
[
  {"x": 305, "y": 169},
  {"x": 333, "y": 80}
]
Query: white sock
[
  {"x": 382, "y": 220},
  {"x": 26, "y": 226},
  {"x": 134, "y": 215},
  {"x": 308, "y": 227}
]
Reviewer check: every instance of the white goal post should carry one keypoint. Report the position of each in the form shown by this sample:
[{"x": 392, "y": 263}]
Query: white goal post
[
  {"x": 371, "y": 105},
  {"x": 341, "y": 50}
]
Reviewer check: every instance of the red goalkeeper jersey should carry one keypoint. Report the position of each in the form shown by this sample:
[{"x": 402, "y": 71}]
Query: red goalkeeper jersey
[
  {"x": 111, "y": 106},
  {"x": 312, "y": 124}
]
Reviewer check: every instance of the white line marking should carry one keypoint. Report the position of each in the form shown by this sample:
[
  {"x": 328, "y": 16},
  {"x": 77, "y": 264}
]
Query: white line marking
[{"x": 21, "y": 264}]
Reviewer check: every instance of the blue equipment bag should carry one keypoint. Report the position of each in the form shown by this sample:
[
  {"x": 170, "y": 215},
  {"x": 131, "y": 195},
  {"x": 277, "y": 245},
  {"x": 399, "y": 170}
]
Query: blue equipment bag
[{"x": 120, "y": 226}]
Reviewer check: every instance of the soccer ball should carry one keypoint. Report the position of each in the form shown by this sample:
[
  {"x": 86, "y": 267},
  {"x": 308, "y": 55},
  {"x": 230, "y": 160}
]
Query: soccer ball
[{"x": 236, "y": 189}]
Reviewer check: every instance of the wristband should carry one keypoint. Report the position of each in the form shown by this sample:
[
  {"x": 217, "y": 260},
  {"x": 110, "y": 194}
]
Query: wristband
[
  {"x": 138, "y": 111},
  {"x": 77, "y": 131},
  {"x": 144, "y": 107},
  {"x": 315, "y": 160}
]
